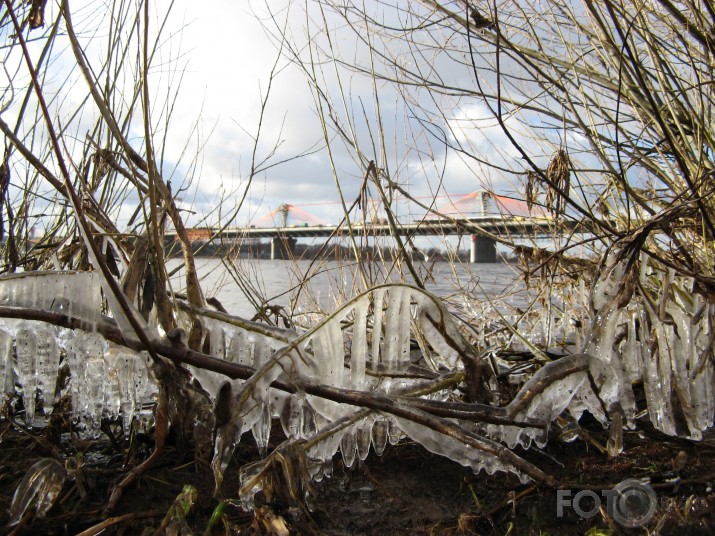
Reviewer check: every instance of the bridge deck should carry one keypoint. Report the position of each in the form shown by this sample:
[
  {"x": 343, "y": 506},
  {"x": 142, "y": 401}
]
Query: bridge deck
[{"x": 511, "y": 226}]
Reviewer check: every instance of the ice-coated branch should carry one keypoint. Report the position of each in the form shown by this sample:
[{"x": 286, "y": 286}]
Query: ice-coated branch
[{"x": 181, "y": 355}]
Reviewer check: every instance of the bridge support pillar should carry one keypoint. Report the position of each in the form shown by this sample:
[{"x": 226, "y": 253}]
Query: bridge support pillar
[
  {"x": 483, "y": 250},
  {"x": 282, "y": 247}
]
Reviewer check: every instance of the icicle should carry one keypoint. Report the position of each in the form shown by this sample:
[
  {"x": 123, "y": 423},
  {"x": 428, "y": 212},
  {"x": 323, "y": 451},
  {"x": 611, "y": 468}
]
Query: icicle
[
  {"x": 76, "y": 294},
  {"x": 662, "y": 380},
  {"x": 76, "y": 362},
  {"x": 227, "y": 437},
  {"x": 143, "y": 378},
  {"x": 210, "y": 381},
  {"x": 632, "y": 347},
  {"x": 26, "y": 351},
  {"x": 698, "y": 371},
  {"x": 702, "y": 371},
  {"x": 659, "y": 416},
  {"x": 241, "y": 347},
  {"x": 298, "y": 417},
  {"x": 7, "y": 383},
  {"x": 363, "y": 433},
  {"x": 328, "y": 464},
  {"x": 132, "y": 379},
  {"x": 48, "y": 364},
  {"x": 397, "y": 329},
  {"x": 683, "y": 346},
  {"x": 358, "y": 348},
  {"x": 324, "y": 452},
  {"x": 262, "y": 350},
  {"x": 394, "y": 432},
  {"x": 706, "y": 365},
  {"x": 113, "y": 396},
  {"x": 379, "y": 435},
  {"x": 88, "y": 369},
  {"x": 403, "y": 335},
  {"x": 348, "y": 447},
  {"x": 308, "y": 420},
  {"x": 551, "y": 403},
  {"x": 262, "y": 428},
  {"x": 543, "y": 399},
  {"x": 290, "y": 417},
  {"x": 247, "y": 474},
  {"x": 615, "y": 436},
  {"x": 38, "y": 361},
  {"x": 379, "y": 297},
  {"x": 83, "y": 292},
  {"x": 95, "y": 374},
  {"x": 217, "y": 338},
  {"x": 7, "y": 291},
  {"x": 329, "y": 353},
  {"x": 447, "y": 356}
]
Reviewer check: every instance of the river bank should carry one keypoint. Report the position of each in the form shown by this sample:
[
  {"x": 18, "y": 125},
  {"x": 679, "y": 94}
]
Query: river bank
[{"x": 406, "y": 490}]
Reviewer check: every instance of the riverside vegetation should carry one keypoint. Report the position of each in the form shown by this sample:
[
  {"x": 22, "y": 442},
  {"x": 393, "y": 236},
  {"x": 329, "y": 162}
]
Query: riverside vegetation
[{"x": 117, "y": 389}]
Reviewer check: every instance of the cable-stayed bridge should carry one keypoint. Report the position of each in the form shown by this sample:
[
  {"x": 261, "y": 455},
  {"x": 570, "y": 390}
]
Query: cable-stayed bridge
[{"x": 483, "y": 215}]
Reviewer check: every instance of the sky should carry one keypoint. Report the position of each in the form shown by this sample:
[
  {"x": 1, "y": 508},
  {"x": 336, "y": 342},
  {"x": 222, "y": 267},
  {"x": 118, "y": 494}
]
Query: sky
[
  {"x": 217, "y": 62},
  {"x": 228, "y": 60}
]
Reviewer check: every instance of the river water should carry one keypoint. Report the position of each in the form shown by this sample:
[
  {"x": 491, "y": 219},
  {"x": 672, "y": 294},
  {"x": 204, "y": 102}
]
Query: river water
[{"x": 276, "y": 281}]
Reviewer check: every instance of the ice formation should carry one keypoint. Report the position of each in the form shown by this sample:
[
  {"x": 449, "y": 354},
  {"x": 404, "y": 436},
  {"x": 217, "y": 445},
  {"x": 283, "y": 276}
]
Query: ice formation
[
  {"x": 365, "y": 346},
  {"x": 662, "y": 338},
  {"x": 669, "y": 350},
  {"x": 38, "y": 362},
  {"x": 660, "y": 334},
  {"x": 104, "y": 377},
  {"x": 76, "y": 294}
]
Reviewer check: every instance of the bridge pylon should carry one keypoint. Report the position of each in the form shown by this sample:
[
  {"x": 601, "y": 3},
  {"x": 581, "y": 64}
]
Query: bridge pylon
[
  {"x": 282, "y": 248},
  {"x": 482, "y": 250}
]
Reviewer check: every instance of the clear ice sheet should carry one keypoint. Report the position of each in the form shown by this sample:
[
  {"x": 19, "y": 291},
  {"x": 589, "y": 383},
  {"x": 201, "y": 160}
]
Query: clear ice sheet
[{"x": 77, "y": 294}]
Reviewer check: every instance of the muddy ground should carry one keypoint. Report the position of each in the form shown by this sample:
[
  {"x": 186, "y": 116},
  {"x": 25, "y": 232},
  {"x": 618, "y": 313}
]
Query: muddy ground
[{"x": 406, "y": 491}]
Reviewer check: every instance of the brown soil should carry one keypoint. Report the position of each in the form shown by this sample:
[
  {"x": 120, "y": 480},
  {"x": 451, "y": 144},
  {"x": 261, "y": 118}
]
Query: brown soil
[{"x": 406, "y": 491}]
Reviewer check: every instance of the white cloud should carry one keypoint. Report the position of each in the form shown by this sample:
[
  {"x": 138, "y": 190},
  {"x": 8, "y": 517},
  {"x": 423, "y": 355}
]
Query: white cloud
[{"x": 218, "y": 59}]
